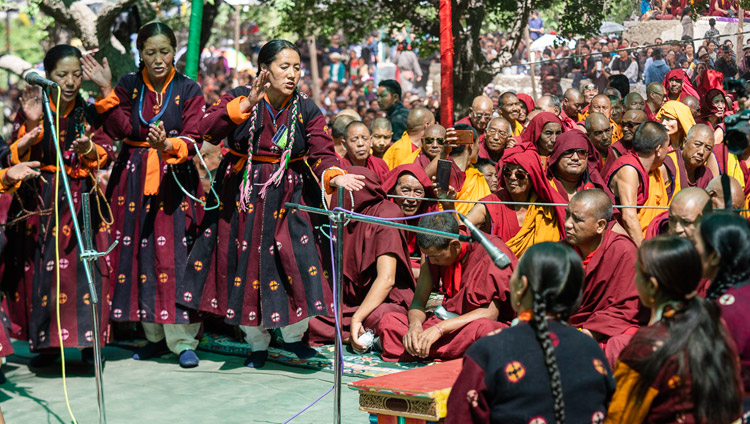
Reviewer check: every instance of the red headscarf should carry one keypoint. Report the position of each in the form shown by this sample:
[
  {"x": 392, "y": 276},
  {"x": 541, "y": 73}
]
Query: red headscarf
[
  {"x": 687, "y": 86},
  {"x": 707, "y": 104},
  {"x": 710, "y": 79},
  {"x": 533, "y": 129},
  {"x": 527, "y": 100},
  {"x": 530, "y": 161},
  {"x": 575, "y": 139},
  {"x": 391, "y": 179}
]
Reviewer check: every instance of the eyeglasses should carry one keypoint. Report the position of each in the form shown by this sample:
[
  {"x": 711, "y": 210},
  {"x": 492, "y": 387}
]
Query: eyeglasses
[
  {"x": 520, "y": 174},
  {"x": 430, "y": 140},
  {"x": 582, "y": 153},
  {"x": 625, "y": 124},
  {"x": 483, "y": 115},
  {"x": 589, "y": 87},
  {"x": 500, "y": 133}
]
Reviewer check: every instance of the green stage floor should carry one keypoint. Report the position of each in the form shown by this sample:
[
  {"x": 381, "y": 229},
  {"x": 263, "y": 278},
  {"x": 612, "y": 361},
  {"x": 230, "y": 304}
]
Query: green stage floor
[{"x": 220, "y": 390}]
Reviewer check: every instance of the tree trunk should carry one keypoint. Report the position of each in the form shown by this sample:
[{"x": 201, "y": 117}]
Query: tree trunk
[{"x": 471, "y": 70}]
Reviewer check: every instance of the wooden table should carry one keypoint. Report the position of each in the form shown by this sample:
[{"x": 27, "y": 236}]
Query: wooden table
[{"x": 416, "y": 396}]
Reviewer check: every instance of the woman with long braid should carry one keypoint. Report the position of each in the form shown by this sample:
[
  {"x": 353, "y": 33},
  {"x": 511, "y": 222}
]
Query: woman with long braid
[
  {"x": 683, "y": 367},
  {"x": 539, "y": 370},
  {"x": 36, "y": 238},
  {"x": 155, "y": 192},
  {"x": 257, "y": 263},
  {"x": 723, "y": 242}
]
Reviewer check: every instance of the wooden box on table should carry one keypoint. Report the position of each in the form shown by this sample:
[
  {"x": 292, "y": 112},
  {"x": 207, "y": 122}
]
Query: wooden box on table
[{"x": 416, "y": 396}]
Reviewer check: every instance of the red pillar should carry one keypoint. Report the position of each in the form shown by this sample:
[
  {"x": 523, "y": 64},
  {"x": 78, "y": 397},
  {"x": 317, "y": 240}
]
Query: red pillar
[{"x": 446, "y": 64}]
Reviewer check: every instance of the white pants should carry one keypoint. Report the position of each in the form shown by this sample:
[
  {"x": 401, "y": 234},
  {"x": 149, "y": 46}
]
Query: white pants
[
  {"x": 259, "y": 338},
  {"x": 180, "y": 337}
]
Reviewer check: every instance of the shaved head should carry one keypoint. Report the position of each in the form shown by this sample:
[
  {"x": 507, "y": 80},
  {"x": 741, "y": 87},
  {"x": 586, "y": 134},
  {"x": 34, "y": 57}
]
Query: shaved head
[
  {"x": 601, "y": 103},
  {"x": 634, "y": 101},
  {"x": 686, "y": 210},
  {"x": 586, "y": 219},
  {"x": 381, "y": 124},
  {"x": 549, "y": 103},
  {"x": 694, "y": 105},
  {"x": 598, "y": 202},
  {"x": 572, "y": 103},
  {"x": 716, "y": 191},
  {"x": 483, "y": 103},
  {"x": 480, "y": 112},
  {"x": 630, "y": 122},
  {"x": 419, "y": 118}
]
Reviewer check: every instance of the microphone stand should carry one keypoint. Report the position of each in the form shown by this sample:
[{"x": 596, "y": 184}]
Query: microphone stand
[
  {"x": 337, "y": 218},
  {"x": 88, "y": 255}
]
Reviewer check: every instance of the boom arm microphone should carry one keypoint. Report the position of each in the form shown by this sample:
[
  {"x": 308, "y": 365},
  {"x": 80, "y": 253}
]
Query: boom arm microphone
[
  {"x": 33, "y": 78},
  {"x": 499, "y": 258}
]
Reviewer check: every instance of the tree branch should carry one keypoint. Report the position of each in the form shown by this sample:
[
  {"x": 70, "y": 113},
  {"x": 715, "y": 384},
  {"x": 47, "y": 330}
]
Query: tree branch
[
  {"x": 109, "y": 13},
  {"x": 77, "y": 17}
]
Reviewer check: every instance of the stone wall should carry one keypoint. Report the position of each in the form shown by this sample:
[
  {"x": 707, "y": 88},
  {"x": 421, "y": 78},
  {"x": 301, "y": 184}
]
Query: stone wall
[{"x": 646, "y": 32}]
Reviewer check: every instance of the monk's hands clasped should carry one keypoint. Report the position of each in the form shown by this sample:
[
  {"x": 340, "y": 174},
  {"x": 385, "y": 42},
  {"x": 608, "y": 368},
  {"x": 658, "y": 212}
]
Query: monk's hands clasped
[{"x": 411, "y": 339}]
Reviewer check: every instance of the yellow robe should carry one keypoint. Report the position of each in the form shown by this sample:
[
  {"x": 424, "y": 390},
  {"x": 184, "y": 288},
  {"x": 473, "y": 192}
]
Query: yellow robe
[
  {"x": 735, "y": 171},
  {"x": 517, "y": 129},
  {"x": 412, "y": 157},
  {"x": 540, "y": 224},
  {"x": 399, "y": 151},
  {"x": 475, "y": 188},
  {"x": 657, "y": 196}
]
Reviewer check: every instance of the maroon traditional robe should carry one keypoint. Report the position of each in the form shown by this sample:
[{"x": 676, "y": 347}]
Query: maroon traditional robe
[
  {"x": 503, "y": 218},
  {"x": 590, "y": 179},
  {"x": 268, "y": 255},
  {"x": 376, "y": 165},
  {"x": 659, "y": 225},
  {"x": 480, "y": 283},
  {"x": 703, "y": 175},
  {"x": 363, "y": 245},
  {"x": 609, "y": 303}
]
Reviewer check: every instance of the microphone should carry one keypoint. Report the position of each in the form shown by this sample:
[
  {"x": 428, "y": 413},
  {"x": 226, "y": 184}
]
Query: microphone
[
  {"x": 499, "y": 258},
  {"x": 32, "y": 77}
]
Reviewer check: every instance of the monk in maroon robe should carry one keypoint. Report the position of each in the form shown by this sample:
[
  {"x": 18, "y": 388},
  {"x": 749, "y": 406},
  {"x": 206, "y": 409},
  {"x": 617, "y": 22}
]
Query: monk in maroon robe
[
  {"x": 476, "y": 299},
  {"x": 568, "y": 170},
  {"x": 541, "y": 132},
  {"x": 377, "y": 276},
  {"x": 610, "y": 309},
  {"x": 358, "y": 144},
  {"x": 630, "y": 122},
  {"x": 480, "y": 114},
  {"x": 497, "y": 137},
  {"x": 687, "y": 165},
  {"x": 684, "y": 214}
]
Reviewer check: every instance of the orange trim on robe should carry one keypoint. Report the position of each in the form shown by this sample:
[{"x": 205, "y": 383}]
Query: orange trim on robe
[
  {"x": 621, "y": 408},
  {"x": 15, "y": 159},
  {"x": 475, "y": 188},
  {"x": 399, "y": 151},
  {"x": 104, "y": 104},
  {"x": 7, "y": 188},
  {"x": 235, "y": 112},
  {"x": 328, "y": 175},
  {"x": 540, "y": 224},
  {"x": 657, "y": 196},
  {"x": 177, "y": 155}
]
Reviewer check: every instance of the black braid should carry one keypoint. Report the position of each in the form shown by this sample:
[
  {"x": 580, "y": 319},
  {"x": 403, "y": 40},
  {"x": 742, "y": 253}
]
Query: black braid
[
  {"x": 539, "y": 323},
  {"x": 723, "y": 282}
]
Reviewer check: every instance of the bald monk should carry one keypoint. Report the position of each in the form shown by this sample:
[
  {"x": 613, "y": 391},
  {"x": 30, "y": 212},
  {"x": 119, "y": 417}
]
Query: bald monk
[
  {"x": 684, "y": 214},
  {"x": 599, "y": 130},
  {"x": 715, "y": 189},
  {"x": 476, "y": 301},
  {"x": 572, "y": 105},
  {"x": 549, "y": 103},
  {"x": 687, "y": 166},
  {"x": 338, "y": 132},
  {"x": 609, "y": 309},
  {"x": 510, "y": 109},
  {"x": 602, "y": 104},
  {"x": 357, "y": 144},
  {"x": 496, "y": 138},
  {"x": 636, "y": 179},
  {"x": 480, "y": 114},
  {"x": 377, "y": 274},
  {"x": 381, "y": 133},
  {"x": 417, "y": 121},
  {"x": 694, "y": 104},
  {"x": 631, "y": 119},
  {"x": 432, "y": 148},
  {"x": 656, "y": 95},
  {"x": 633, "y": 101}
]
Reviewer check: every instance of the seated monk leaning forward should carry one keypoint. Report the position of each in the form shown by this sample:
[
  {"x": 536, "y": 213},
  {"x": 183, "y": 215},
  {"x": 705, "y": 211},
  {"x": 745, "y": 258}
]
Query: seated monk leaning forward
[
  {"x": 476, "y": 302},
  {"x": 521, "y": 225},
  {"x": 377, "y": 276},
  {"x": 609, "y": 308},
  {"x": 636, "y": 179}
]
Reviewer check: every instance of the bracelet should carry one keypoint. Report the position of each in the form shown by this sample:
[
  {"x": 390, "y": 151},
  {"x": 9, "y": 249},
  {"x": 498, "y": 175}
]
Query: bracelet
[
  {"x": 91, "y": 147},
  {"x": 439, "y": 329}
]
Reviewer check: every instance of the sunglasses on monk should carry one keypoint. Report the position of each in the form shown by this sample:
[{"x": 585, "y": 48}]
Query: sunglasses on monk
[
  {"x": 582, "y": 153},
  {"x": 630, "y": 124},
  {"x": 520, "y": 174},
  {"x": 438, "y": 140}
]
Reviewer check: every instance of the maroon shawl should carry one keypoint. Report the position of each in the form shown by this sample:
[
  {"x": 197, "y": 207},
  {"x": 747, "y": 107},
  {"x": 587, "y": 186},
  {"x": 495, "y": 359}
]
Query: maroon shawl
[{"x": 376, "y": 165}]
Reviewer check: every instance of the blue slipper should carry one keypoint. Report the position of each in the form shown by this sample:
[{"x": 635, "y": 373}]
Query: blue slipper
[{"x": 188, "y": 359}]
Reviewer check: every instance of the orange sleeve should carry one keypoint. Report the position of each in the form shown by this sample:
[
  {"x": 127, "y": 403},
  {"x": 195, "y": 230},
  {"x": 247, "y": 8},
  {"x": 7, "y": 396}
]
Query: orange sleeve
[
  {"x": 104, "y": 104},
  {"x": 328, "y": 175},
  {"x": 179, "y": 152},
  {"x": 7, "y": 188},
  {"x": 235, "y": 111},
  {"x": 621, "y": 408},
  {"x": 96, "y": 164},
  {"x": 14, "y": 156}
]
